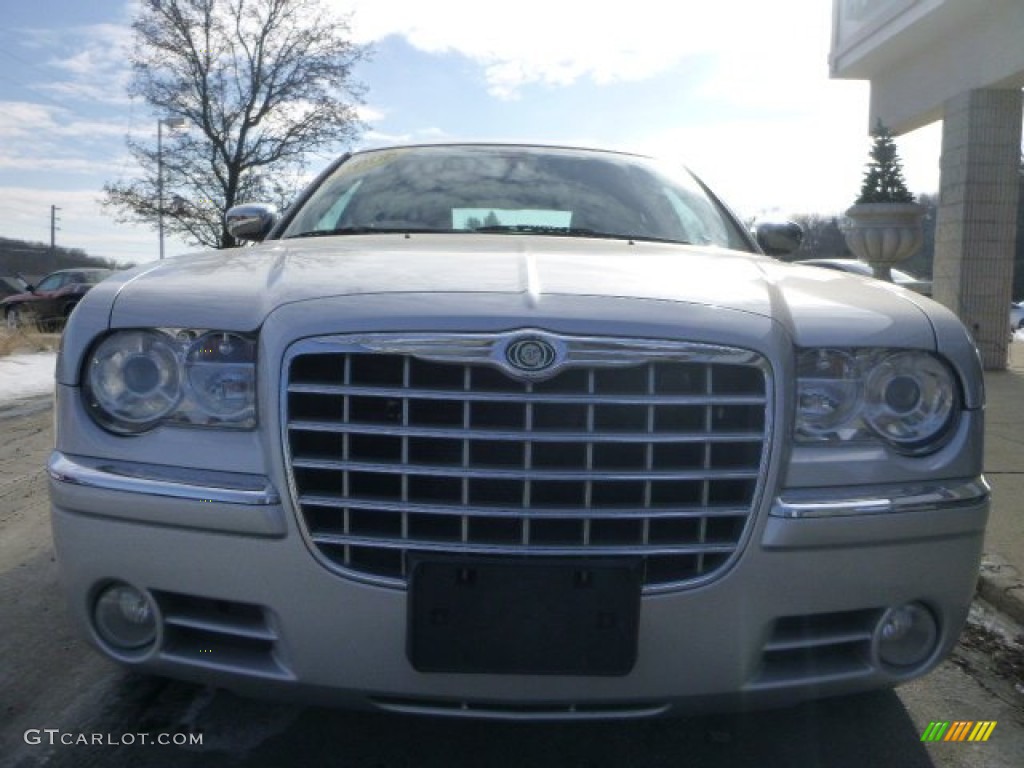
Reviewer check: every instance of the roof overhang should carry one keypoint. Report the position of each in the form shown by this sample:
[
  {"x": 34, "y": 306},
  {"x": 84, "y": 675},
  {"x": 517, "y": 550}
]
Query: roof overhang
[{"x": 920, "y": 53}]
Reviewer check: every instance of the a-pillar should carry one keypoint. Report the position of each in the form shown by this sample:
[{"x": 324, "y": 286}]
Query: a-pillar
[{"x": 977, "y": 222}]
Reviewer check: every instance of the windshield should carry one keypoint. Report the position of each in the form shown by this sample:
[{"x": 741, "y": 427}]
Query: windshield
[{"x": 526, "y": 190}]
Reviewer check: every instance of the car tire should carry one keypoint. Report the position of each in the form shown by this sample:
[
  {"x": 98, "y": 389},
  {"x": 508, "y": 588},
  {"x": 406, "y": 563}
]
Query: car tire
[
  {"x": 61, "y": 322},
  {"x": 14, "y": 319}
]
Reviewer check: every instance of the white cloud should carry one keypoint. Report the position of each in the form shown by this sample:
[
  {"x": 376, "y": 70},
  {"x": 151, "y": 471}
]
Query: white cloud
[
  {"x": 776, "y": 133},
  {"x": 39, "y": 137},
  {"x": 559, "y": 43},
  {"x": 370, "y": 114},
  {"x": 96, "y": 65},
  {"x": 22, "y": 119},
  {"x": 374, "y": 138},
  {"x": 19, "y": 119},
  {"x": 771, "y": 171},
  {"x": 775, "y": 169},
  {"x": 37, "y": 163},
  {"x": 99, "y": 92},
  {"x": 82, "y": 223}
]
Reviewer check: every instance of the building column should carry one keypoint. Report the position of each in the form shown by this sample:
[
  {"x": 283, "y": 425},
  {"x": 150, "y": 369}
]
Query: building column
[{"x": 975, "y": 235}]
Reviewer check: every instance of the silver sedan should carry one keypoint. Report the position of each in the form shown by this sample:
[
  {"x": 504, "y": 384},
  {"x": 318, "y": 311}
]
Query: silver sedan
[{"x": 516, "y": 432}]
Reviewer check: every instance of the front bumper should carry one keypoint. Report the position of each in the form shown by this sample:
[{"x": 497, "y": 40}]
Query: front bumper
[{"x": 242, "y": 603}]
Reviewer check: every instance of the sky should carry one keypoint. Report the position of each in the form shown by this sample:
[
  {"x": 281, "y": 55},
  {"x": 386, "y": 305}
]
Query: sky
[{"x": 738, "y": 90}]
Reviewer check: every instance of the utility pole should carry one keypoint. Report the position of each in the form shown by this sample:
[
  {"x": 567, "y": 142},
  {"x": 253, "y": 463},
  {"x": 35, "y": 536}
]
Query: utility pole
[
  {"x": 174, "y": 124},
  {"x": 53, "y": 237}
]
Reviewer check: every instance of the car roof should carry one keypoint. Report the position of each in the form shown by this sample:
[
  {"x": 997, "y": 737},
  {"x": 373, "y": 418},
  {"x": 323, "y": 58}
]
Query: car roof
[
  {"x": 502, "y": 145},
  {"x": 79, "y": 269}
]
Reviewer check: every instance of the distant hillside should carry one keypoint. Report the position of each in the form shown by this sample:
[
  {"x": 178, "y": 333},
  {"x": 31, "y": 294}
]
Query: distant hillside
[{"x": 37, "y": 259}]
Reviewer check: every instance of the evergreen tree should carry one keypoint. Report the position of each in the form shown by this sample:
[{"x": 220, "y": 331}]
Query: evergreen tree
[{"x": 883, "y": 179}]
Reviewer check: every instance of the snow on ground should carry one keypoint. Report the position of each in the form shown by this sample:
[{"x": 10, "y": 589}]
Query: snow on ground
[{"x": 26, "y": 375}]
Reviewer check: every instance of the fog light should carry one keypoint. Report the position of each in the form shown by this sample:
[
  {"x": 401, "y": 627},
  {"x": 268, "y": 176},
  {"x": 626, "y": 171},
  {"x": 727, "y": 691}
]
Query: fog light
[
  {"x": 124, "y": 618},
  {"x": 906, "y": 636}
]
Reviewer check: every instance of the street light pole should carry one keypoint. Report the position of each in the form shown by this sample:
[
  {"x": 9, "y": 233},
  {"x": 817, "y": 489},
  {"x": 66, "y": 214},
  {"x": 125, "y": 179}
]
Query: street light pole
[{"x": 173, "y": 123}]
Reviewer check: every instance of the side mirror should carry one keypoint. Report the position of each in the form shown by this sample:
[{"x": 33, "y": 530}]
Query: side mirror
[
  {"x": 250, "y": 222},
  {"x": 778, "y": 238}
]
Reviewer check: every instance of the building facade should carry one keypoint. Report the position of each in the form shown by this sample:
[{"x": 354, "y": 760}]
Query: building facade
[{"x": 962, "y": 62}]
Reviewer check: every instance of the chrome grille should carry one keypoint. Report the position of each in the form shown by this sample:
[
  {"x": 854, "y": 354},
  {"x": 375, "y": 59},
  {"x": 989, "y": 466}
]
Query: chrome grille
[{"x": 427, "y": 444}]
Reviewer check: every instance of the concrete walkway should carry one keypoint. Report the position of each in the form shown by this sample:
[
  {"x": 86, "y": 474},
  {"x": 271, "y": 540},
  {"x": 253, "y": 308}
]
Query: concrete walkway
[{"x": 1002, "y": 568}]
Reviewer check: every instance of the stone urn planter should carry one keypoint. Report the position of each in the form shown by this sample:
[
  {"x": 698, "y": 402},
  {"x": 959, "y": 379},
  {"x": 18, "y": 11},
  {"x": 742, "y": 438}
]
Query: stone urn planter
[{"x": 884, "y": 234}]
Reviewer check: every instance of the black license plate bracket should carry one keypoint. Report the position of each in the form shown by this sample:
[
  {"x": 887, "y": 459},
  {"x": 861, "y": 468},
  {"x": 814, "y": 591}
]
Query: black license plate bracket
[{"x": 524, "y": 616}]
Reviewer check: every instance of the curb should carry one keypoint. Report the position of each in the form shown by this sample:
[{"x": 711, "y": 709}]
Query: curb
[{"x": 1002, "y": 586}]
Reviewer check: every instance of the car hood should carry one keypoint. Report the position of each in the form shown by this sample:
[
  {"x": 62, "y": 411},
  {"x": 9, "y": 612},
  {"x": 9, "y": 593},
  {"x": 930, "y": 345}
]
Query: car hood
[
  {"x": 237, "y": 289},
  {"x": 14, "y": 298}
]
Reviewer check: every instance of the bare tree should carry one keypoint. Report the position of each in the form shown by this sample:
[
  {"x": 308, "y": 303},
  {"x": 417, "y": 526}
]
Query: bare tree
[{"x": 256, "y": 86}]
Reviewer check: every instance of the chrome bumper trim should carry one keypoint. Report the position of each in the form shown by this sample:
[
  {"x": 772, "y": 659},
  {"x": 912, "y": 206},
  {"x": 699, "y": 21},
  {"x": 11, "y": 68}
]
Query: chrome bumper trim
[
  {"x": 844, "y": 502},
  {"x": 158, "y": 480},
  {"x": 549, "y": 712}
]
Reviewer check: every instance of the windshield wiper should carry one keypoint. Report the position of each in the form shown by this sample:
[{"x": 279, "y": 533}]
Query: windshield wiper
[
  {"x": 543, "y": 229},
  {"x": 367, "y": 231},
  {"x": 546, "y": 229},
  {"x": 530, "y": 229}
]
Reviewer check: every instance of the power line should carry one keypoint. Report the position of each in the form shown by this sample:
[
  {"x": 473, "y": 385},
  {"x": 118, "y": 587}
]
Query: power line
[
  {"x": 26, "y": 62},
  {"x": 36, "y": 93}
]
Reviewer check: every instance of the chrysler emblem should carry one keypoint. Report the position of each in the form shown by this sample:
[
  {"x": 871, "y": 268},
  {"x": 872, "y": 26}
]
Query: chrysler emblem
[{"x": 531, "y": 355}]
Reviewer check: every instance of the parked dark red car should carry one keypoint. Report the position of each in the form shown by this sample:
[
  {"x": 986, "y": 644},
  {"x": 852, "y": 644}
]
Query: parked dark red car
[{"x": 50, "y": 302}]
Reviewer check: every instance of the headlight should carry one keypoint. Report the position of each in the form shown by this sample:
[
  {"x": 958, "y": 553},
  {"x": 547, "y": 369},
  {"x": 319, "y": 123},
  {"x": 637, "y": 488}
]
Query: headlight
[
  {"x": 220, "y": 372},
  {"x": 135, "y": 380},
  {"x": 829, "y": 389},
  {"x": 906, "y": 398},
  {"x": 909, "y": 399}
]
